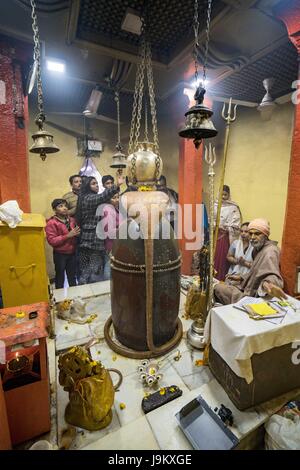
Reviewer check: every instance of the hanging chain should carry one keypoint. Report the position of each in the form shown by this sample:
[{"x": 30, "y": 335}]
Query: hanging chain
[
  {"x": 140, "y": 96},
  {"x": 146, "y": 120},
  {"x": 145, "y": 63},
  {"x": 37, "y": 59},
  {"x": 134, "y": 110},
  {"x": 152, "y": 97},
  {"x": 196, "y": 33},
  {"x": 196, "y": 27},
  {"x": 117, "y": 100},
  {"x": 209, "y": 3}
]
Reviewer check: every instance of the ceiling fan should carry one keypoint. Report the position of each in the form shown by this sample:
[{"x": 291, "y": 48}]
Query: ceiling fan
[
  {"x": 90, "y": 110},
  {"x": 115, "y": 81}
]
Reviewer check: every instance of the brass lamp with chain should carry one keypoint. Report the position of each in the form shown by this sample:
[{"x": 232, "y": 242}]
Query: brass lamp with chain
[
  {"x": 198, "y": 124},
  {"x": 144, "y": 161},
  {"x": 198, "y": 127},
  {"x": 42, "y": 140},
  {"x": 119, "y": 158}
]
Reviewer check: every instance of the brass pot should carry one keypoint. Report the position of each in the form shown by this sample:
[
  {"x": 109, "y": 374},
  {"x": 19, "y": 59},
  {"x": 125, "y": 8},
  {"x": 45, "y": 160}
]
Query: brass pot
[{"x": 144, "y": 166}]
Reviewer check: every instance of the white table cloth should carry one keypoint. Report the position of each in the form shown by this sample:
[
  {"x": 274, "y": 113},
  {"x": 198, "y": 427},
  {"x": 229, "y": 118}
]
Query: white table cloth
[{"x": 236, "y": 337}]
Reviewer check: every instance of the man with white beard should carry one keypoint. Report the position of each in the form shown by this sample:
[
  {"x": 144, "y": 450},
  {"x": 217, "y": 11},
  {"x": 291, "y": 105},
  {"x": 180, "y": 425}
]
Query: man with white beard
[{"x": 264, "y": 277}]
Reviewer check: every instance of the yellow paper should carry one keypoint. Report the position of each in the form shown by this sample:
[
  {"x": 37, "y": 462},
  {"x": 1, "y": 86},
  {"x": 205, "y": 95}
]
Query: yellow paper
[{"x": 262, "y": 309}]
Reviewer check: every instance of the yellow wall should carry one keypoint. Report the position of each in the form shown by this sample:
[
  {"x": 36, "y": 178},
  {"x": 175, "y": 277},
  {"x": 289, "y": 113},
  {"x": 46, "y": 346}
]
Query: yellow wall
[{"x": 257, "y": 163}]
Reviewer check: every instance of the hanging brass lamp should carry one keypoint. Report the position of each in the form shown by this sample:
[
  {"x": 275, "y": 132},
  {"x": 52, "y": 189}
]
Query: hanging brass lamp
[
  {"x": 198, "y": 124},
  {"x": 119, "y": 158},
  {"x": 42, "y": 140}
]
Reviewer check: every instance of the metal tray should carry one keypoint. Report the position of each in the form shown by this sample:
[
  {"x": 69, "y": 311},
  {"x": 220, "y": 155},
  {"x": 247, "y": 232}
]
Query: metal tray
[{"x": 203, "y": 428}]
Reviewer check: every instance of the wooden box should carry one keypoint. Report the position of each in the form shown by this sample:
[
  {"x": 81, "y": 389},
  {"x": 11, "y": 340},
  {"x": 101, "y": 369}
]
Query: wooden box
[{"x": 273, "y": 371}]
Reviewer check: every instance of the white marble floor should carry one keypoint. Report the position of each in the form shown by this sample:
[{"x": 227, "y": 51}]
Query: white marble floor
[{"x": 130, "y": 427}]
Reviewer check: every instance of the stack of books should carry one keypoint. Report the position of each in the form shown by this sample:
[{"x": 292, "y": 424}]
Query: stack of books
[{"x": 264, "y": 310}]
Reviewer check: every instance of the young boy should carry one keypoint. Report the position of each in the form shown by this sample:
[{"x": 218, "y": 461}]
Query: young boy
[{"x": 61, "y": 231}]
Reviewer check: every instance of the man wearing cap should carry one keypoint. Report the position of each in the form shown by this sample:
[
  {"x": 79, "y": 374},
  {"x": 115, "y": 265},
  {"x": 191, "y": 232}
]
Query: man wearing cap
[{"x": 264, "y": 277}]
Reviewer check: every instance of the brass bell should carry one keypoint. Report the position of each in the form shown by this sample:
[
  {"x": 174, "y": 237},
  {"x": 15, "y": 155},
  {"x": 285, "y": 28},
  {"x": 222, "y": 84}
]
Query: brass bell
[
  {"x": 118, "y": 159},
  {"x": 198, "y": 124},
  {"x": 43, "y": 144},
  {"x": 42, "y": 140}
]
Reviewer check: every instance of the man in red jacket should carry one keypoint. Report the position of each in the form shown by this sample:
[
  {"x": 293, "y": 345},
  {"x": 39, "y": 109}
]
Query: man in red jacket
[{"x": 61, "y": 231}]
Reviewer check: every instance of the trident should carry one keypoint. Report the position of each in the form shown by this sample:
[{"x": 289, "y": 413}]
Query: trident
[
  {"x": 229, "y": 118},
  {"x": 210, "y": 158},
  {"x": 195, "y": 334}
]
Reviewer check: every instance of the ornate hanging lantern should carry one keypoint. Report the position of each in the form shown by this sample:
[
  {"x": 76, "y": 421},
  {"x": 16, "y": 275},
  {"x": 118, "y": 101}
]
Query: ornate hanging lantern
[
  {"x": 198, "y": 125},
  {"x": 119, "y": 158},
  {"x": 42, "y": 140}
]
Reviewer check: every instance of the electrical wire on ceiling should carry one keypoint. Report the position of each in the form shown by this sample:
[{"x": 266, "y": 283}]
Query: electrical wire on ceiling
[{"x": 55, "y": 6}]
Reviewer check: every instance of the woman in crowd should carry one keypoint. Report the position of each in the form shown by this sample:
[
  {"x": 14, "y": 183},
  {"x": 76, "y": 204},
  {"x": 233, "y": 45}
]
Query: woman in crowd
[
  {"x": 107, "y": 228},
  {"x": 229, "y": 227},
  {"x": 240, "y": 253},
  {"x": 92, "y": 255}
]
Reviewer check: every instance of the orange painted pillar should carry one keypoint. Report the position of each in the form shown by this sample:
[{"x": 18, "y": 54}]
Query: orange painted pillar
[
  {"x": 190, "y": 185},
  {"x": 14, "y": 174},
  {"x": 190, "y": 192},
  {"x": 289, "y": 13}
]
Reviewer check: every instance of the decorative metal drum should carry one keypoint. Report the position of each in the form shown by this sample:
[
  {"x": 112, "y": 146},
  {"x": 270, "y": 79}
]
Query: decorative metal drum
[{"x": 145, "y": 282}]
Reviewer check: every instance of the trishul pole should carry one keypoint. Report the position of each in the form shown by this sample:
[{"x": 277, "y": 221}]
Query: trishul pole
[
  {"x": 210, "y": 158},
  {"x": 195, "y": 334},
  {"x": 229, "y": 118}
]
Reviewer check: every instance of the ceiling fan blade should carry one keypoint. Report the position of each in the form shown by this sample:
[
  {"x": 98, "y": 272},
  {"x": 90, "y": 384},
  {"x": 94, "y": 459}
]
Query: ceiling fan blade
[
  {"x": 100, "y": 117},
  {"x": 70, "y": 132},
  {"x": 64, "y": 113},
  {"x": 65, "y": 130}
]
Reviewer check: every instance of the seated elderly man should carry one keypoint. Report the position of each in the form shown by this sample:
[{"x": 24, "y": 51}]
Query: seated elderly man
[{"x": 264, "y": 277}]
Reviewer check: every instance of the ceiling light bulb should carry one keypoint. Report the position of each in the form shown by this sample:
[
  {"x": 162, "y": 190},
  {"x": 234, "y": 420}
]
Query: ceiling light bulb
[{"x": 55, "y": 66}]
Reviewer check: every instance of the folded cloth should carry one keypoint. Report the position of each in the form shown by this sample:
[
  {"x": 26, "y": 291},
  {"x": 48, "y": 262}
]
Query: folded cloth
[{"x": 11, "y": 213}]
